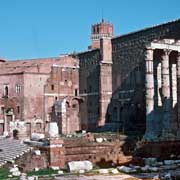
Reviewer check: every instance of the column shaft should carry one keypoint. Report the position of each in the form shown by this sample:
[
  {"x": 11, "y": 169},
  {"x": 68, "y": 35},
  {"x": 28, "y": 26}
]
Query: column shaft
[
  {"x": 159, "y": 84},
  {"x": 166, "y": 93},
  {"x": 178, "y": 88},
  {"x": 174, "y": 85},
  {"x": 149, "y": 93}
]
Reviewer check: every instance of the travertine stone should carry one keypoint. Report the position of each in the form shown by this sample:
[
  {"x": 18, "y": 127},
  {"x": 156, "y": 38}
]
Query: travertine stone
[
  {"x": 178, "y": 87},
  {"x": 149, "y": 94},
  {"x": 174, "y": 85},
  {"x": 159, "y": 84},
  {"x": 53, "y": 129},
  {"x": 167, "y": 101}
]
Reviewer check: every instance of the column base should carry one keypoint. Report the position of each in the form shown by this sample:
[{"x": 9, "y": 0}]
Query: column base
[{"x": 150, "y": 137}]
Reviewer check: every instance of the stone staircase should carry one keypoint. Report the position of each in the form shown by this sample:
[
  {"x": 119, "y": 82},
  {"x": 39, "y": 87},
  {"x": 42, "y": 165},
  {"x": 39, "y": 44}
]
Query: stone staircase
[{"x": 11, "y": 149}]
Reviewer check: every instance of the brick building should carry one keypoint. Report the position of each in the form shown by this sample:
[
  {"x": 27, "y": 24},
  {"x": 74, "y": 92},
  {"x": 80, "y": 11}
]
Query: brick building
[
  {"x": 127, "y": 83},
  {"x": 30, "y": 88}
]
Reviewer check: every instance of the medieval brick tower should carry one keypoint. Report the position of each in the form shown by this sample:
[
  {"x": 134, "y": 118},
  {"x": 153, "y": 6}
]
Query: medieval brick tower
[
  {"x": 100, "y": 30},
  {"x": 95, "y": 75},
  {"x": 105, "y": 79}
]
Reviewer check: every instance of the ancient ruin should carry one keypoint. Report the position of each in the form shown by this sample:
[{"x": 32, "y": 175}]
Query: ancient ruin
[{"x": 127, "y": 85}]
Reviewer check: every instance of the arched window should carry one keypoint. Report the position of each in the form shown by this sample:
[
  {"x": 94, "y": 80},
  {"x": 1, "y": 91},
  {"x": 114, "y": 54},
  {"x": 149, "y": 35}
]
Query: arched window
[{"x": 6, "y": 91}]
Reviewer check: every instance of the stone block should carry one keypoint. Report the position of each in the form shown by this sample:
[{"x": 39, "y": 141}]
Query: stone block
[
  {"x": 150, "y": 161},
  {"x": 114, "y": 171},
  {"x": 126, "y": 169},
  {"x": 81, "y": 171},
  {"x": 75, "y": 166},
  {"x": 99, "y": 140},
  {"x": 16, "y": 173},
  {"x": 37, "y": 152},
  {"x": 13, "y": 169},
  {"x": 169, "y": 162},
  {"x": 54, "y": 167},
  {"x": 153, "y": 169},
  {"x": 53, "y": 130},
  {"x": 37, "y": 136},
  {"x": 103, "y": 171},
  {"x": 60, "y": 172}
]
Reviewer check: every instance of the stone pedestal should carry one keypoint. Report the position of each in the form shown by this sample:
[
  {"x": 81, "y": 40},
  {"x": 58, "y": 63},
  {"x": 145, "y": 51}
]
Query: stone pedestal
[{"x": 53, "y": 130}]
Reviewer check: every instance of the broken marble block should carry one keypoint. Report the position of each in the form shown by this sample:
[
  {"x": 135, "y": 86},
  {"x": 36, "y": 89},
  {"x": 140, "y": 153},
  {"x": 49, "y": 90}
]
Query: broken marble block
[
  {"x": 76, "y": 166},
  {"x": 126, "y": 169}
]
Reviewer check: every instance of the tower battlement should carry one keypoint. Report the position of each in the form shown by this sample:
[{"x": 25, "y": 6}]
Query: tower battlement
[{"x": 100, "y": 30}]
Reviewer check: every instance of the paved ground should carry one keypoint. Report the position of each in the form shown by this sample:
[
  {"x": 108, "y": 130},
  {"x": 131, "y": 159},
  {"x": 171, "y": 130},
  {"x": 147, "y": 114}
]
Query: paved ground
[{"x": 96, "y": 177}]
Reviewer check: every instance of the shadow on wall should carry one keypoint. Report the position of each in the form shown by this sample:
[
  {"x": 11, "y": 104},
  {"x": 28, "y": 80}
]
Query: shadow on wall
[{"x": 126, "y": 111}]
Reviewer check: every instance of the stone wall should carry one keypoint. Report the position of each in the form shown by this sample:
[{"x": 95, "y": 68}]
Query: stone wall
[
  {"x": 30, "y": 161},
  {"x": 78, "y": 149},
  {"x": 127, "y": 107},
  {"x": 89, "y": 88},
  {"x": 128, "y": 75},
  {"x": 24, "y": 86},
  {"x": 162, "y": 150}
]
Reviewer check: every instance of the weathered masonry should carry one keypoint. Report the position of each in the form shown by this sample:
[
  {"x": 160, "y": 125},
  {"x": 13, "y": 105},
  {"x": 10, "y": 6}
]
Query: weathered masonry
[
  {"x": 126, "y": 110},
  {"x": 128, "y": 83},
  {"x": 30, "y": 91},
  {"x": 162, "y": 89}
]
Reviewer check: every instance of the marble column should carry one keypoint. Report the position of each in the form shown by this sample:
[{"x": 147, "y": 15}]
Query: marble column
[
  {"x": 174, "y": 85},
  {"x": 167, "y": 102},
  {"x": 178, "y": 88},
  {"x": 149, "y": 95},
  {"x": 159, "y": 84}
]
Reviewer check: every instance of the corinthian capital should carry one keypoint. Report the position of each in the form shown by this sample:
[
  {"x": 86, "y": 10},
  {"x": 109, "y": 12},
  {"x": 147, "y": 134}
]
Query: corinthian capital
[
  {"x": 149, "y": 54},
  {"x": 167, "y": 52}
]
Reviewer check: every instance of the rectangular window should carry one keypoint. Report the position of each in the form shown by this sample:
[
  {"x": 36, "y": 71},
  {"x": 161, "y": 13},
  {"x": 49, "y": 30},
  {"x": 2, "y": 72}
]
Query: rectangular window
[
  {"x": 6, "y": 91},
  {"x": 52, "y": 87},
  {"x": 18, "y": 88},
  {"x": 76, "y": 92}
]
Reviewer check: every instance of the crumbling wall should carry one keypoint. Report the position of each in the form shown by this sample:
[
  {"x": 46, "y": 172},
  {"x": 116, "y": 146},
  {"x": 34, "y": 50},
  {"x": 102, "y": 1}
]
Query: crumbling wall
[{"x": 79, "y": 149}]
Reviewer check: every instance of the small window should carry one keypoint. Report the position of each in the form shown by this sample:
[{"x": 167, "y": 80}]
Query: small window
[
  {"x": 18, "y": 109},
  {"x": 18, "y": 88},
  {"x": 76, "y": 92},
  {"x": 6, "y": 90},
  {"x": 52, "y": 87}
]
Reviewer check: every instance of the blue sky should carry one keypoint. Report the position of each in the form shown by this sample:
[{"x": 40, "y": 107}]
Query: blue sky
[{"x": 47, "y": 28}]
